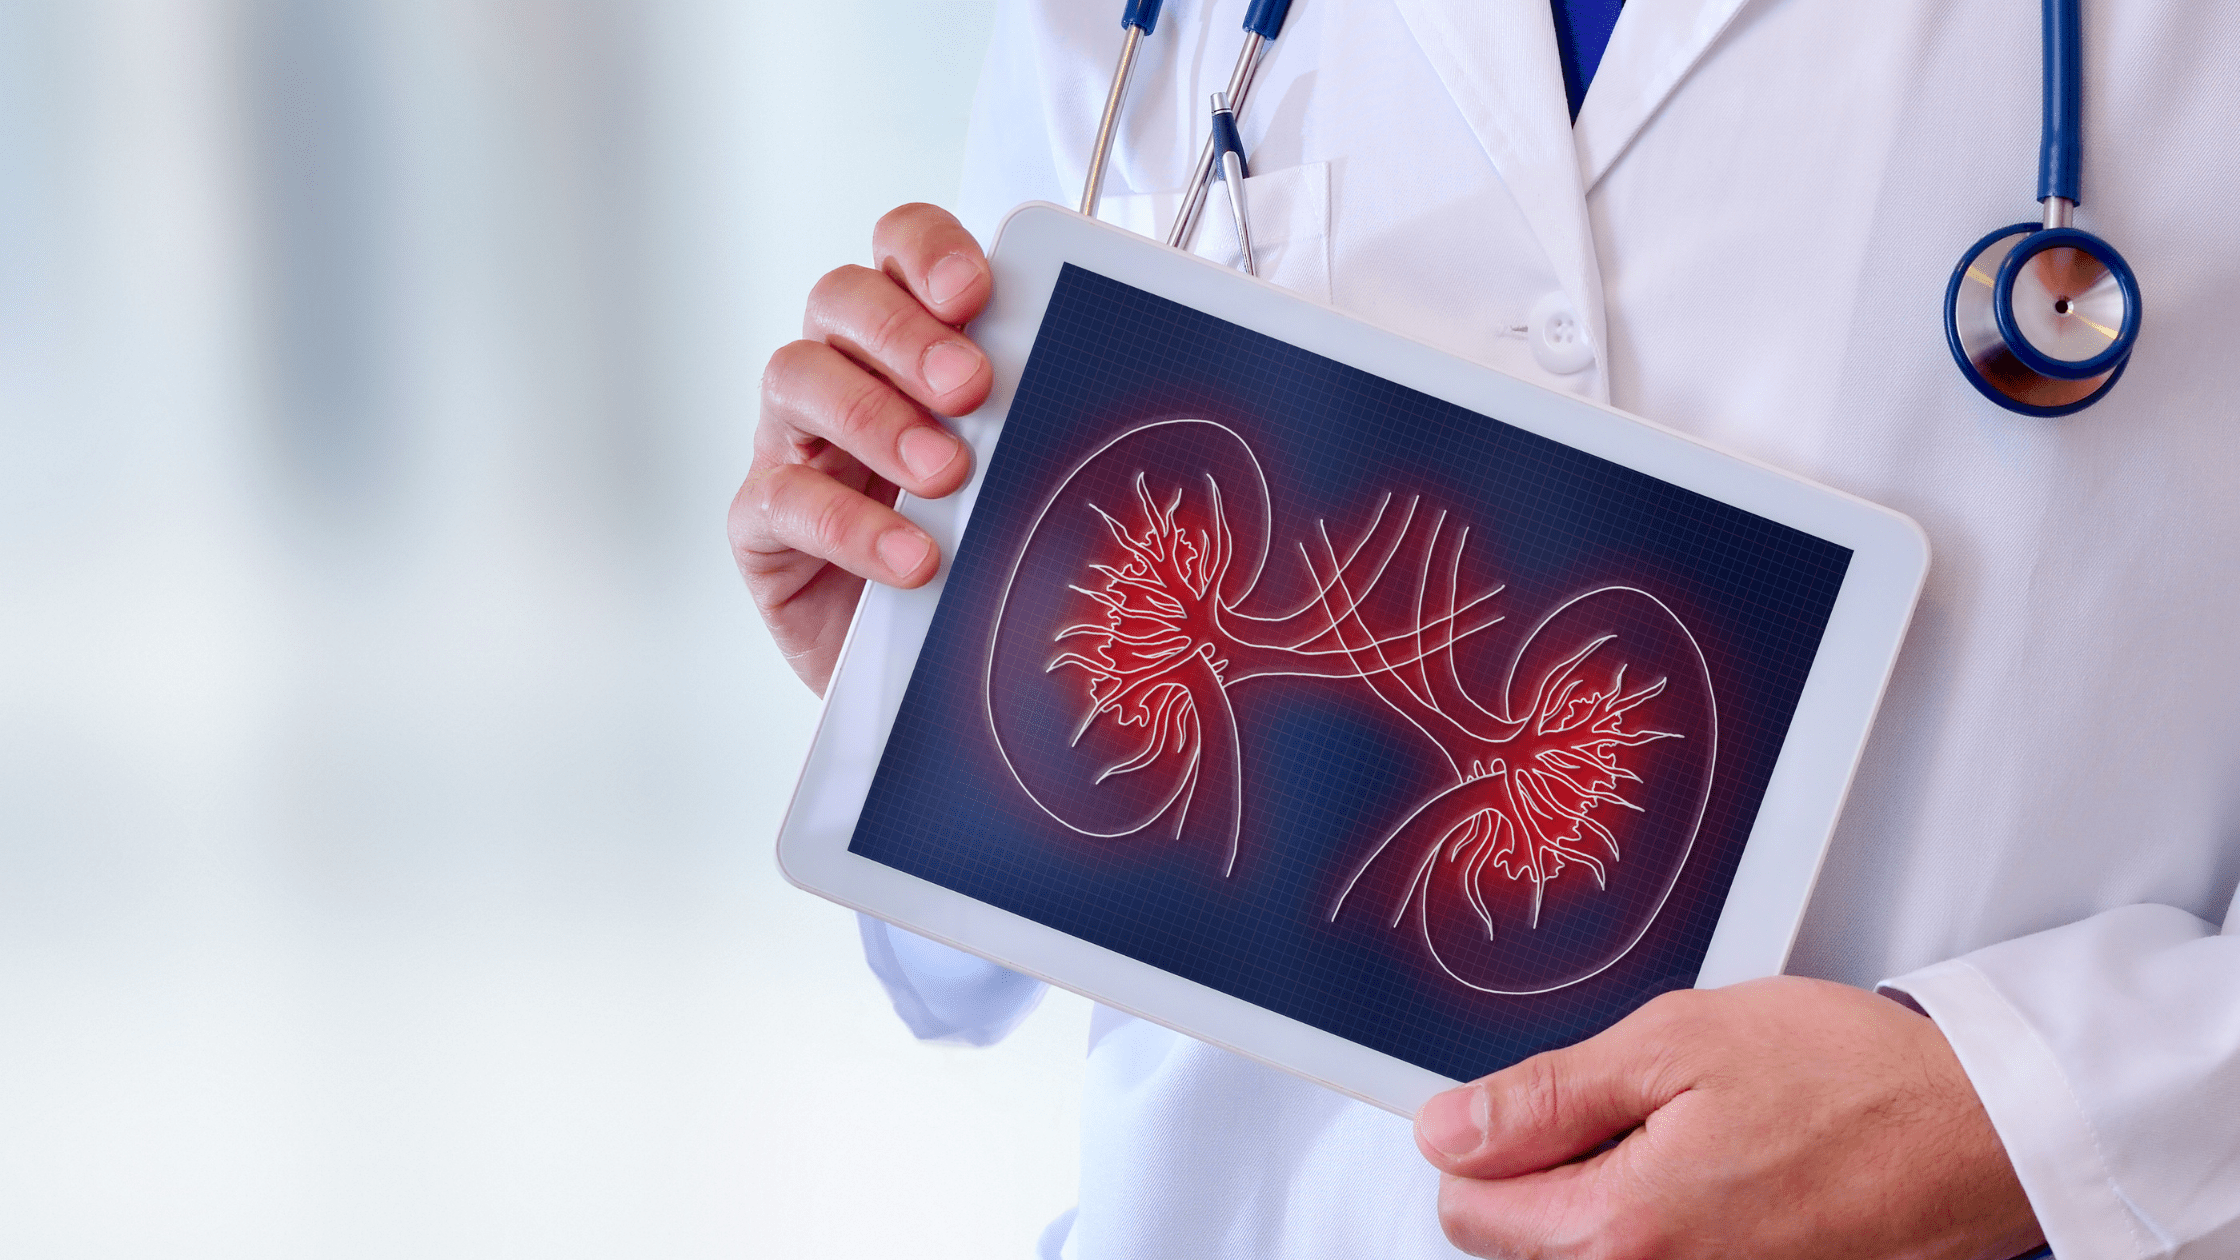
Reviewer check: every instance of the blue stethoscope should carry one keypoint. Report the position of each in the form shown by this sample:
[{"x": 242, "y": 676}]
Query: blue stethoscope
[
  {"x": 2041, "y": 317},
  {"x": 1222, "y": 157}
]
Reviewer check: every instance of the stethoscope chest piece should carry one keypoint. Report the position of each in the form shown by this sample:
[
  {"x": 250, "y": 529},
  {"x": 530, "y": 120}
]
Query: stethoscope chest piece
[
  {"x": 2041, "y": 317},
  {"x": 2042, "y": 320}
]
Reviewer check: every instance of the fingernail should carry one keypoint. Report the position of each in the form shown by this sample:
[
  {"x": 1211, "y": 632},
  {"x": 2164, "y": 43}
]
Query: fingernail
[
  {"x": 948, "y": 365},
  {"x": 1454, "y": 1122},
  {"x": 904, "y": 550},
  {"x": 949, "y": 277},
  {"x": 927, "y": 451}
]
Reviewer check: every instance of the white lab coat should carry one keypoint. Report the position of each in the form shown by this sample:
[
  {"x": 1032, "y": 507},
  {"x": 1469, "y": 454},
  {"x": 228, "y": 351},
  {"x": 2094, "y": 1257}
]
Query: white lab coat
[{"x": 1753, "y": 222}]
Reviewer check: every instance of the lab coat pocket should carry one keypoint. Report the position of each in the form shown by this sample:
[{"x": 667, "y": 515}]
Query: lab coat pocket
[{"x": 1287, "y": 210}]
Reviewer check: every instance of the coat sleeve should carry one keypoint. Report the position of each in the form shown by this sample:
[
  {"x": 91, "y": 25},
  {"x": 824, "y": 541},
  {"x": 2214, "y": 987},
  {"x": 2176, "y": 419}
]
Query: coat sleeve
[
  {"x": 2107, "y": 1053},
  {"x": 944, "y": 994},
  {"x": 941, "y": 993}
]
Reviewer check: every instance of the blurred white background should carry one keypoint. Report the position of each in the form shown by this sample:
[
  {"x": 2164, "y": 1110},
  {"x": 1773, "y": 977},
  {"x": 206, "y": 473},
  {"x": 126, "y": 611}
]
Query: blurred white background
[{"x": 389, "y": 756}]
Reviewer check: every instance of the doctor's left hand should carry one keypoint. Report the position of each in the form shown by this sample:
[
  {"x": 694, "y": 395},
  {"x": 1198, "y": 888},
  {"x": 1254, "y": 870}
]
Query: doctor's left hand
[{"x": 1777, "y": 1118}]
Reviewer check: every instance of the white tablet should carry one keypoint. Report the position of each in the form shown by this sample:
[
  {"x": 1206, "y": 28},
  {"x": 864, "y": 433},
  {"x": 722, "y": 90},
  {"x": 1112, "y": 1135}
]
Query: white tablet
[{"x": 1338, "y": 701}]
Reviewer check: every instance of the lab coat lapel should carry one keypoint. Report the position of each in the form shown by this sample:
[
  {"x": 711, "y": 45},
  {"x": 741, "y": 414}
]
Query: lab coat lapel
[
  {"x": 1497, "y": 59},
  {"x": 1655, "y": 45}
]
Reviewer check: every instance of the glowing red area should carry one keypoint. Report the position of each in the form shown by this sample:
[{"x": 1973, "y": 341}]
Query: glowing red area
[{"x": 1542, "y": 770}]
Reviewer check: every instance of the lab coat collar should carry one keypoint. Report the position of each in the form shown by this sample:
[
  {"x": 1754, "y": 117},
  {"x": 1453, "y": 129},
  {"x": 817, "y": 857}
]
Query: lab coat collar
[
  {"x": 1655, "y": 45},
  {"x": 1498, "y": 60}
]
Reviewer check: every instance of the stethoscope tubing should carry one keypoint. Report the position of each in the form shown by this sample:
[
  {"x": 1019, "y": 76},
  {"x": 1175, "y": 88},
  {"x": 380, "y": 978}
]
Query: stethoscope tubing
[
  {"x": 2061, "y": 133},
  {"x": 1263, "y": 21},
  {"x": 1139, "y": 19}
]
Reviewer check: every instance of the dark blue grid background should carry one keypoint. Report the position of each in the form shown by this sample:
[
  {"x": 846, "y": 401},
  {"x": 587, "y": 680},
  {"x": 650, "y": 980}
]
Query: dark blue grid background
[{"x": 1328, "y": 772}]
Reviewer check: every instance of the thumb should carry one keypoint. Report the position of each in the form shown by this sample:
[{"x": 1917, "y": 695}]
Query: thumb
[{"x": 1549, "y": 1108}]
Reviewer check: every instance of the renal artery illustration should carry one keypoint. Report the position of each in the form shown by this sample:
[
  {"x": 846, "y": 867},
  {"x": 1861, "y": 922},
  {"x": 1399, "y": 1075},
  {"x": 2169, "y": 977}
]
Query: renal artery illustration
[{"x": 1133, "y": 611}]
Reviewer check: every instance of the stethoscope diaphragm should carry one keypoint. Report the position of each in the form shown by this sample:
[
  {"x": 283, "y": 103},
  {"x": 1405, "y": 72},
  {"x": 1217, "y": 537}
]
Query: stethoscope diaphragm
[{"x": 2042, "y": 320}]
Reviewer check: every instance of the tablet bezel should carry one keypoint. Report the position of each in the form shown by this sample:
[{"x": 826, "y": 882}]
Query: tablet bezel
[{"x": 1788, "y": 839}]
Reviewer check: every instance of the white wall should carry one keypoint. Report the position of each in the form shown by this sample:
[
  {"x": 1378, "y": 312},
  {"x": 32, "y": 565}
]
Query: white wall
[{"x": 388, "y": 755}]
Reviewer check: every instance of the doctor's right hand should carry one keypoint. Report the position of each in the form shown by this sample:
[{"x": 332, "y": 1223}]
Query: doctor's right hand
[{"x": 851, "y": 413}]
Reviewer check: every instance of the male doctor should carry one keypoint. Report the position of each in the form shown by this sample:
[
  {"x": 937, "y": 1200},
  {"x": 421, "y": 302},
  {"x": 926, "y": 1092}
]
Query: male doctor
[{"x": 1736, "y": 219}]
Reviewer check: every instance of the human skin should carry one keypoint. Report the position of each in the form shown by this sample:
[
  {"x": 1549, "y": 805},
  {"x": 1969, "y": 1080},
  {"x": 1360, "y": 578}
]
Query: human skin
[
  {"x": 848, "y": 416},
  {"x": 1777, "y": 1118}
]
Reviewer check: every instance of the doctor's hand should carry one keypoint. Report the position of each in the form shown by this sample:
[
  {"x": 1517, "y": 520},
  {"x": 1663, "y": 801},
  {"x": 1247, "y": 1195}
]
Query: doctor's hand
[
  {"x": 849, "y": 414},
  {"x": 1778, "y": 1118}
]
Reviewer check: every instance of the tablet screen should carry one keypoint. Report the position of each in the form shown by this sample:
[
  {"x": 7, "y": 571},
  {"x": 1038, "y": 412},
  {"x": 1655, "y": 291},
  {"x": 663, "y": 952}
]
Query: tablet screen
[{"x": 1354, "y": 704}]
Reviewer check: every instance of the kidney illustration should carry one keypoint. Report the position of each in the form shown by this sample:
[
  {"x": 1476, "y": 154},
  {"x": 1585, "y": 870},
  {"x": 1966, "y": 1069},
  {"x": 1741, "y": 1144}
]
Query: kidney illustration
[{"x": 1575, "y": 762}]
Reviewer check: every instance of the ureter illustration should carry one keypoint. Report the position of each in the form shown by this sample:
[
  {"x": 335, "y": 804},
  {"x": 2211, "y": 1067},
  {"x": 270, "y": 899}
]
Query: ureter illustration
[
  {"x": 1145, "y": 599},
  {"x": 1167, "y": 646}
]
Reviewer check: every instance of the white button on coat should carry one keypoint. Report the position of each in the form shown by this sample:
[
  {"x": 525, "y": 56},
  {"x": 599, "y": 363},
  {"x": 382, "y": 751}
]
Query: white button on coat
[{"x": 1559, "y": 340}]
